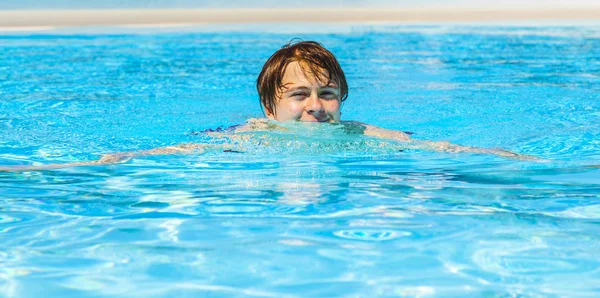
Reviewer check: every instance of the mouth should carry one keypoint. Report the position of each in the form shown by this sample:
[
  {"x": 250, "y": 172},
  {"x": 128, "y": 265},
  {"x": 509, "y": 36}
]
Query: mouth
[{"x": 313, "y": 119}]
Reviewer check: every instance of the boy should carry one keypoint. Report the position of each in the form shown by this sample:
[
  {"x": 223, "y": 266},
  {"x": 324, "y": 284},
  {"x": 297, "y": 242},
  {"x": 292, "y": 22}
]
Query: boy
[
  {"x": 304, "y": 82},
  {"x": 301, "y": 82}
]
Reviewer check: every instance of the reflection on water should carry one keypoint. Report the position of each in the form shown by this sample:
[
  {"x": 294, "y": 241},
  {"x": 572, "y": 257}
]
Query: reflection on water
[
  {"x": 310, "y": 210},
  {"x": 454, "y": 222}
]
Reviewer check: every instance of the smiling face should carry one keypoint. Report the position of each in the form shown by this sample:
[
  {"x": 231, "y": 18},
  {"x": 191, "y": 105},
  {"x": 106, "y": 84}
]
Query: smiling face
[
  {"x": 303, "y": 97},
  {"x": 302, "y": 81}
]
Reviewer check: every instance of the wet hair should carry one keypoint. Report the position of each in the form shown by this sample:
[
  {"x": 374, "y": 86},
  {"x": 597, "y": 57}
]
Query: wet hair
[{"x": 313, "y": 59}]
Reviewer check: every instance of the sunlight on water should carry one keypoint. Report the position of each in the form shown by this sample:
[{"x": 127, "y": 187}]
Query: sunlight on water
[
  {"x": 304, "y": 210},
  {"x": 305, "y": 139}
]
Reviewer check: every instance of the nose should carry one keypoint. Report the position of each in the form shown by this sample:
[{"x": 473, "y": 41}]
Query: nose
[{"x": 314, "y": 106}]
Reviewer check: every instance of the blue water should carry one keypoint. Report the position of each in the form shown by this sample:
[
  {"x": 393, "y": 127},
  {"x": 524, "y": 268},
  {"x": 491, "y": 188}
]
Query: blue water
[{"x": 302, "y": 215}]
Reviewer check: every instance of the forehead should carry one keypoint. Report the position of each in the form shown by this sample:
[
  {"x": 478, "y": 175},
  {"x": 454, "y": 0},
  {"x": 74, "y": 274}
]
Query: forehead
[{"x": 300, "y": 74}]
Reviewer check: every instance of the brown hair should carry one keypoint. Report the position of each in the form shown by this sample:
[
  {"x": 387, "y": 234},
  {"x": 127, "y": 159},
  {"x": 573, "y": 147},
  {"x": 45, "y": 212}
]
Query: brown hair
[{"x": 312, "y": 56}]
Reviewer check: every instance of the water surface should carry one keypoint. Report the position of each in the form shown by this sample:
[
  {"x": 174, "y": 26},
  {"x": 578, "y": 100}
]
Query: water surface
[{"x": 307, "y": 215}]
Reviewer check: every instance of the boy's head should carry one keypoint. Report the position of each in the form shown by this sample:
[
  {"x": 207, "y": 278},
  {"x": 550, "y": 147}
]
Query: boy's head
[{"x": 302, "y": 81}]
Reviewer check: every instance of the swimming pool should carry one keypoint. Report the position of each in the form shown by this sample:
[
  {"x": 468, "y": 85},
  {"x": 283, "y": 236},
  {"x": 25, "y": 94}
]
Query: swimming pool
[{"x": 310, "y": 215}]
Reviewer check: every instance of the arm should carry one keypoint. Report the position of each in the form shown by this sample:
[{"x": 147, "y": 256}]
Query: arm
[
  {"x": 453, "y": 148},
  {"x": 114, "y": 158},
  {"x": 396, "y": 135}
]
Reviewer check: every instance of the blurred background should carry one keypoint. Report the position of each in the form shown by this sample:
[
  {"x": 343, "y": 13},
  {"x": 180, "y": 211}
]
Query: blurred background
[{"x": 108, "y": 4}]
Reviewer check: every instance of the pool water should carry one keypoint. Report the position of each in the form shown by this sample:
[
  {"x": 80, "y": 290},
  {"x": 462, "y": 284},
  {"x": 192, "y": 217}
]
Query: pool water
[{"x": 314, "y": 213}]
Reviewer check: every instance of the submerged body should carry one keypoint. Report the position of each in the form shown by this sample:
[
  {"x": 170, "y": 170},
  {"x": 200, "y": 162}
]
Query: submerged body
[{"x": 258, "y": 133}]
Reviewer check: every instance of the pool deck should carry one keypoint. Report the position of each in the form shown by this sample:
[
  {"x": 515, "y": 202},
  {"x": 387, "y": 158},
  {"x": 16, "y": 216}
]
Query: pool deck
[{"x": 70, "y": 18}]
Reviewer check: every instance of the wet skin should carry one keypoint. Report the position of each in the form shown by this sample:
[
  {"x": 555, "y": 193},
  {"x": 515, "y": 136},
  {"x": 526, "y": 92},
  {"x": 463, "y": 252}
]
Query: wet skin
[{"x": 305, "y": 98}]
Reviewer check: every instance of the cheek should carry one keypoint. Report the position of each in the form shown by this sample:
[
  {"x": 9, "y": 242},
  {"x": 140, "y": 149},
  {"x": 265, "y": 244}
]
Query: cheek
[
  {"x": 295, "y": 108},
  {"x": 333, "y": 106}
]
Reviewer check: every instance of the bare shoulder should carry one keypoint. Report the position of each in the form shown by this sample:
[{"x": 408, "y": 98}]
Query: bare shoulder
[
  {"x": 376, "y": 131},
  {"x": 259, "y": 124}
]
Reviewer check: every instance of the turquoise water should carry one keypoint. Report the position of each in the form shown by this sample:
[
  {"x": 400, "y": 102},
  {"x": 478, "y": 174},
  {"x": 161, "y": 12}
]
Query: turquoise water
[{"x": 302, "y": 214}]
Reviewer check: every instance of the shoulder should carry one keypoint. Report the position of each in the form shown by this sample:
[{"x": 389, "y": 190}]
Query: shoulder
[
  {"x": 376, "y": 131},
  {"x": 258, "y": 124}
]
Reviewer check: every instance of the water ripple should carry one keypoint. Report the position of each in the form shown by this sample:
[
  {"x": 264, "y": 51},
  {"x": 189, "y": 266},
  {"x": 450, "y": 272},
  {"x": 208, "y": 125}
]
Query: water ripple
[
  {"x": 319, "y": 212},
  {"x": 370, "y": 235}
]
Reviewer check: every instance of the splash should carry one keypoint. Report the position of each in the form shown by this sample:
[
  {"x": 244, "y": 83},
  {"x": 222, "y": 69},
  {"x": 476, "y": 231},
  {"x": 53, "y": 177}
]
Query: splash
[{"x": 301, "y": 139}]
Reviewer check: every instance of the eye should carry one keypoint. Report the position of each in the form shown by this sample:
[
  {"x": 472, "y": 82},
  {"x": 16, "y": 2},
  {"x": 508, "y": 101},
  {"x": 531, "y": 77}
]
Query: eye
[
  {"x": 329, "y": 94},
  {"x": 299, "y": 95}
]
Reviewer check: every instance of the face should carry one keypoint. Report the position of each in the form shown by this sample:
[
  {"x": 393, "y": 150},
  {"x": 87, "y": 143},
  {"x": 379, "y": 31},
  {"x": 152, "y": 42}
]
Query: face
[{"x": 304, "y": 98}]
